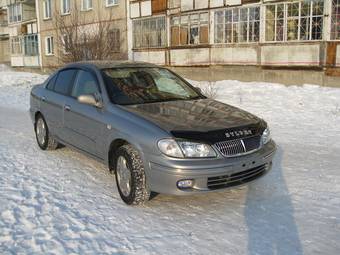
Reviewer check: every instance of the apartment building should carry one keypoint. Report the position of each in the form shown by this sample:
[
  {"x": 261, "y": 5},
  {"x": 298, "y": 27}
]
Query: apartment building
[
  {"x": 23, "y": 34},
  {"x": 30, "y": 34},
  {"x": 87, "y": 16},
  {"x": 241, "y": 37},
  {"x": 267, "y": 33},
  {"x": 4, "y": 37}
]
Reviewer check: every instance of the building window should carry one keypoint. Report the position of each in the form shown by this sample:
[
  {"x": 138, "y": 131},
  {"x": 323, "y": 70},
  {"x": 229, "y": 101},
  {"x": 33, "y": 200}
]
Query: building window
[
  {"x": 47, "y": 9},
  {"x": 114, "y": 38},
  {"x": 14, "y": 13},
  {"x": 190, "y": 29},
  {"x": 237, "y": 25},
  {"x": 16, "y": 45},
  {"x": 65, "y": 7},
  {"x": 111, "y": 2},
  {"x": 174, "y": 3},
  {"x": 149, "y": 32},
  {"x": 335, "y": 31},
  {"x": 294, "y": 21},
  {"x": 86, "y": 5},
  {"x": 31, "y": 45},
  {"x": 49, "y": 45},
  {"x": 275, "y": 22}
]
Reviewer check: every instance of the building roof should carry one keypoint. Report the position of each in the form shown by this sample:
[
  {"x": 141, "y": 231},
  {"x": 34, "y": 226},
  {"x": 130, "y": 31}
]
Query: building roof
[{"x": 104, "y": 64}]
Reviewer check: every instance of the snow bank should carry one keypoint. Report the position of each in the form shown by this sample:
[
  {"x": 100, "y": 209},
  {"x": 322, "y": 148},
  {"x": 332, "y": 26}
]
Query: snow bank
[
  {"x": 310, "y": 109},
  {"x": 15, "y": 88},
  {"x": 4, "y": 68}
]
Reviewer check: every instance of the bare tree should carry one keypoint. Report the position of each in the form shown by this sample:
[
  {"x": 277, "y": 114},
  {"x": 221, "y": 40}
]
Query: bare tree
[
  {"x": 78, "y": 39},
  {"x": 209, "y": 89}
]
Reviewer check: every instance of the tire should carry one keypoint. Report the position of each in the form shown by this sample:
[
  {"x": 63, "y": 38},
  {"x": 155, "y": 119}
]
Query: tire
[
  {"x": 138, "y": 193},
  {"x": 44, "y": 140}
]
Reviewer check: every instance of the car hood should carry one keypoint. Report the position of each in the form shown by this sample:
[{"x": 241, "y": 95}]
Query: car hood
[{"x": 203, "y": 119}]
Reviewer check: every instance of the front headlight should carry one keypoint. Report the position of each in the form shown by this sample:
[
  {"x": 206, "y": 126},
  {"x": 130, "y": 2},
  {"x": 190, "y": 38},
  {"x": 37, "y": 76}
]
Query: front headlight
[
  {"x": 181, "y": 149},
  {"x": 266, "y": 136},
  {"x": 196, "y": 150},
  {"x": 170, "y": 148}
]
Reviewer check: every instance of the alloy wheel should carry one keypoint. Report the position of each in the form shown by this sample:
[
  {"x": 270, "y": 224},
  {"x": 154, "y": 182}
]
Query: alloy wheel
[{"x": 123, "y": 176}]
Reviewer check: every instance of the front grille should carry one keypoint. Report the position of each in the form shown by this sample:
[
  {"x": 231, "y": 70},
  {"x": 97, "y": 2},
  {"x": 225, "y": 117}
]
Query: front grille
[
  {"x": 239, "y": 147},
  {"x": 225, "y": 181}
]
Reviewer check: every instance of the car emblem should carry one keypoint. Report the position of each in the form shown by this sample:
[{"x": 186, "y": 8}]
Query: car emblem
[{"x": 238, "y": 133}]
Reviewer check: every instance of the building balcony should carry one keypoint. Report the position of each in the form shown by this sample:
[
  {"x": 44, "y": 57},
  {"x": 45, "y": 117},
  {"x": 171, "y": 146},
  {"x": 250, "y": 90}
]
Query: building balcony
[
  {"x": 23, "y": 60},
  {"x": 4, "y": 31},
  {"x": 25, "y": 51},
  {"x": 21, "y": 11},
  {"x": 4, "y": 3}
]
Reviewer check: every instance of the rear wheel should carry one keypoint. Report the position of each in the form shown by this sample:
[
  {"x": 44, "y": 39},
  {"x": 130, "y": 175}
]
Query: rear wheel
[
  {"x": 44, "y": 140},
  {"x": 130, "y": 176}
]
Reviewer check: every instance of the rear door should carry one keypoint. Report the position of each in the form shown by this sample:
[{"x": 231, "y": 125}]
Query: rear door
[
  {"x": 84, "y": 123},
  {"x": 53, "y": 101}
]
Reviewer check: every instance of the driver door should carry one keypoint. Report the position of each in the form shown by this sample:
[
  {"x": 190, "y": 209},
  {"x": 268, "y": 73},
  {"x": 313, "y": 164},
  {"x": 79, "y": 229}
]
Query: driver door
[{"x": 84, "y": 124}]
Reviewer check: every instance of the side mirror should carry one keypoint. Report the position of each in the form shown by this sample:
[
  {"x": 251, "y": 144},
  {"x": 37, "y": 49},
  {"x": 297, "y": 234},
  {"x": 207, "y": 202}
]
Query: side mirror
[
  {"x": 91, "y": 100},
  {"x": 199, "y": 90}
]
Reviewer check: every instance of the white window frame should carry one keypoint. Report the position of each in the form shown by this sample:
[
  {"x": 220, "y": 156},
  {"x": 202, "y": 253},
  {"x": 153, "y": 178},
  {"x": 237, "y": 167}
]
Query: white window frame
[
  {"x": 47, "y": 6},
  {"x": 172, "y": 4},
  {"x": 63, "y": 9},
  {"x": 49, "y": 46},
  {"x": 335, "y": 18},
  {"x": 114, "y": 37},
  {"x": 86, "y": 5},
  {"x": 14, "y": 13},
  {"x": 31, "y": 45},
  {"x": 16, "y": 45},
  {"x": 236, "y": 25},
  {"x": 310, "y": 17},
  {"x": 109, "y": 3},
  {"x": 144, "y": 37},
  {"x": 186, "y": 21}
]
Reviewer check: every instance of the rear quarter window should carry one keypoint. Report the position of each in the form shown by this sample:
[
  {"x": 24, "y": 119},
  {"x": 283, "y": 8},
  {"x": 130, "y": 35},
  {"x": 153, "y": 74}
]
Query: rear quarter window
[
  {"x": 51, "y": 82},
  {"x": 64, "y": 81}
]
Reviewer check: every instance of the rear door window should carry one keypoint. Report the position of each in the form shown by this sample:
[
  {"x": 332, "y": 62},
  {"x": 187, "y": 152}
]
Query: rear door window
[{"x": 64, "y": 82}]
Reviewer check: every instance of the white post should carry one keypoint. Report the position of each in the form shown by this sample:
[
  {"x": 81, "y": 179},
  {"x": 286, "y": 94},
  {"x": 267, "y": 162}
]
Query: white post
[
  {"x": 262, "y": 31},
  {"x": 211, "y": 26},
  {"x": 38, "y": 31},
  {"x": 327, "y": 20},
  {"x": 129, "y": 31}
]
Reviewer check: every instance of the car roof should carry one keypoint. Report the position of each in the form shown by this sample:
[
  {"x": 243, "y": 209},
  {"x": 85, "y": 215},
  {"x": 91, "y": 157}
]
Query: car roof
[{"x": 101, "y": 64}]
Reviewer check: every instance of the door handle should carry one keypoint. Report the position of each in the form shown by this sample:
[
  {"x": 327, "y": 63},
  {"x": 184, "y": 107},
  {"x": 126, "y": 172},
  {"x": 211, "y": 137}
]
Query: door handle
[
  {"x": 67, "y": 108},
  {"x": 43, "y": 99}
]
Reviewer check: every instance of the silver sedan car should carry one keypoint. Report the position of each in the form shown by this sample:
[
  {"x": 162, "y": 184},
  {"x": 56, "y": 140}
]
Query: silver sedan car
[{"x": 154, "y": 131}]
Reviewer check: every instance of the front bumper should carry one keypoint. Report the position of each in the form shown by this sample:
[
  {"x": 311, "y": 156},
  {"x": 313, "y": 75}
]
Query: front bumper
[{"x": 209, "y": 174}]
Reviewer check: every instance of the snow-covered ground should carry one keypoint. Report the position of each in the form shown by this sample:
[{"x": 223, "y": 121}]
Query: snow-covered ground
[{"x": 63, "y": 202}]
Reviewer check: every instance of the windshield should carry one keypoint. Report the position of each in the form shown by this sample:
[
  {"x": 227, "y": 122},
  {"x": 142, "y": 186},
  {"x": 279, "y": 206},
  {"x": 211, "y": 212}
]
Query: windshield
[{"x": 139, "y": 85}]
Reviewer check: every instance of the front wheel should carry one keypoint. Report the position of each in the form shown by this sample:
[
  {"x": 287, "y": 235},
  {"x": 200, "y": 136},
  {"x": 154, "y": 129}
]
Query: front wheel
[
  {"x": 130, "y": 176},
  {"x": 44, "y": 140}
]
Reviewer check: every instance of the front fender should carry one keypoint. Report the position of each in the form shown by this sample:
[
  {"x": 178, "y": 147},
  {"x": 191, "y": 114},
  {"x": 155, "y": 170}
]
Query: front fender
[{"x": 140, "y": 133}]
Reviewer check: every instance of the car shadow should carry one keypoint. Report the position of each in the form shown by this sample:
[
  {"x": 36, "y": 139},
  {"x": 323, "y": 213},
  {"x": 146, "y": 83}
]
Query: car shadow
[{"x": 269, "y": 215}]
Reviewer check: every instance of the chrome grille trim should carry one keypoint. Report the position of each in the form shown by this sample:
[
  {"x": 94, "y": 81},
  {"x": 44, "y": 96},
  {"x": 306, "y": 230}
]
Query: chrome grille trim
[
  {"x": 230, "y": 148},
  {"x": 238, "y": 147}
]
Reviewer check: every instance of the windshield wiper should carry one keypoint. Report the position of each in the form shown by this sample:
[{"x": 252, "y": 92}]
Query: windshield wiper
[
  {"x": 161, "y": 100},
  {"x": 196, "y": 97},
  {"x": 165, "y": 100}
]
